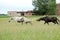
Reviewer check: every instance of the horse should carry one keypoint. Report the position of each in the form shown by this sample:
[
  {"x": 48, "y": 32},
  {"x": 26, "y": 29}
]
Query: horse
[
  {"x": 26, "y": 20},
  {"x": 20, "y": 20},
  {"x": 16, "y": 19},
  {"x": 49, "y": 19}
]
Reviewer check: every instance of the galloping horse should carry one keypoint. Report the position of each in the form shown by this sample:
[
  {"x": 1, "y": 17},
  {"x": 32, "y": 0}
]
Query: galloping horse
[
  {"x": 16, "y": 19},
  {"x": 26, "y": 20},
  {"x": 49, "y": 19},
  {"x": 20, "y": 20}
]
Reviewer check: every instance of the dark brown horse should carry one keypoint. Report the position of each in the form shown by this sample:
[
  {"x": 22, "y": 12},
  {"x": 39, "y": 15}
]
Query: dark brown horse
[{"x": 49, "y": 19}]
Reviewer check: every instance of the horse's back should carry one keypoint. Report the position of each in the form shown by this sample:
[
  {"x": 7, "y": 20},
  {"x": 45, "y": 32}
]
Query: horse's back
[{"x": 17, "y": 18}]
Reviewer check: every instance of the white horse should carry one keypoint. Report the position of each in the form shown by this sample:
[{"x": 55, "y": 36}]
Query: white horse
[
  {"x": 20, "y": 19},
  {"x": 26, "y": 20},
  {"x": 16, "y": 19}
]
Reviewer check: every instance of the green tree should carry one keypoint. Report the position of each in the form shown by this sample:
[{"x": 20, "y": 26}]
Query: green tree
[{"x": 44, "y": 7}]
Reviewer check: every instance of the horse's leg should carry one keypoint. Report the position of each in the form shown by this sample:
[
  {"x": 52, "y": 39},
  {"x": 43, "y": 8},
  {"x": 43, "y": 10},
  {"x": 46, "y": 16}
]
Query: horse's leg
[
  {"x": 54, "y": 22},
  {"x": 57, "y": 22},
  {"x": 26, "y": 22},
  {"x": 21, "y": 22},
  {"x": 9, "y": 20},
  {"x": 16, "y": 22},
  {"x": 30, "y": 23},
  {"x": 46, "y": 22}
]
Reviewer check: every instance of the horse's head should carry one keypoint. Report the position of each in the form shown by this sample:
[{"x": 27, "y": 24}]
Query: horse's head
[
  {"x": 43, "y": 18},
  {"x": 39, "y": 19}
]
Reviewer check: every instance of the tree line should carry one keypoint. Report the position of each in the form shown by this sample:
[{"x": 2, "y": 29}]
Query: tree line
[{"x": 44, "y": 7}]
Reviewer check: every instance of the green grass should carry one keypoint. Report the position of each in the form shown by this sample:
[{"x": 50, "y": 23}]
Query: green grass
[
  {"x": 4, "y": 16},
  {"x": 37, "y": 31}
]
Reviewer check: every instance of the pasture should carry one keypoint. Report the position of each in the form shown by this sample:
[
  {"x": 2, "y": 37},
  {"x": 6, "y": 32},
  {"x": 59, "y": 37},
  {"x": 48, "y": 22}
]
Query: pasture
[{"x": 37, "y": 31}]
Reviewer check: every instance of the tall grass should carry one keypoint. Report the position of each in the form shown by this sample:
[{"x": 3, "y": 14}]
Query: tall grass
[{"x": 37, "y": 31}]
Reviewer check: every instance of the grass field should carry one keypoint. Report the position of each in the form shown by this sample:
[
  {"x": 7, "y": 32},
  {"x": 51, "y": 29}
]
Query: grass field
[{"x": 37, "y": 31}]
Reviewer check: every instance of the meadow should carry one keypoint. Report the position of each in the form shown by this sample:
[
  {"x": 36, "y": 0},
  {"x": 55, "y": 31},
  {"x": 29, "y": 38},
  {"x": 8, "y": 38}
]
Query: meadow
[{"x": 37, "y": 31}]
